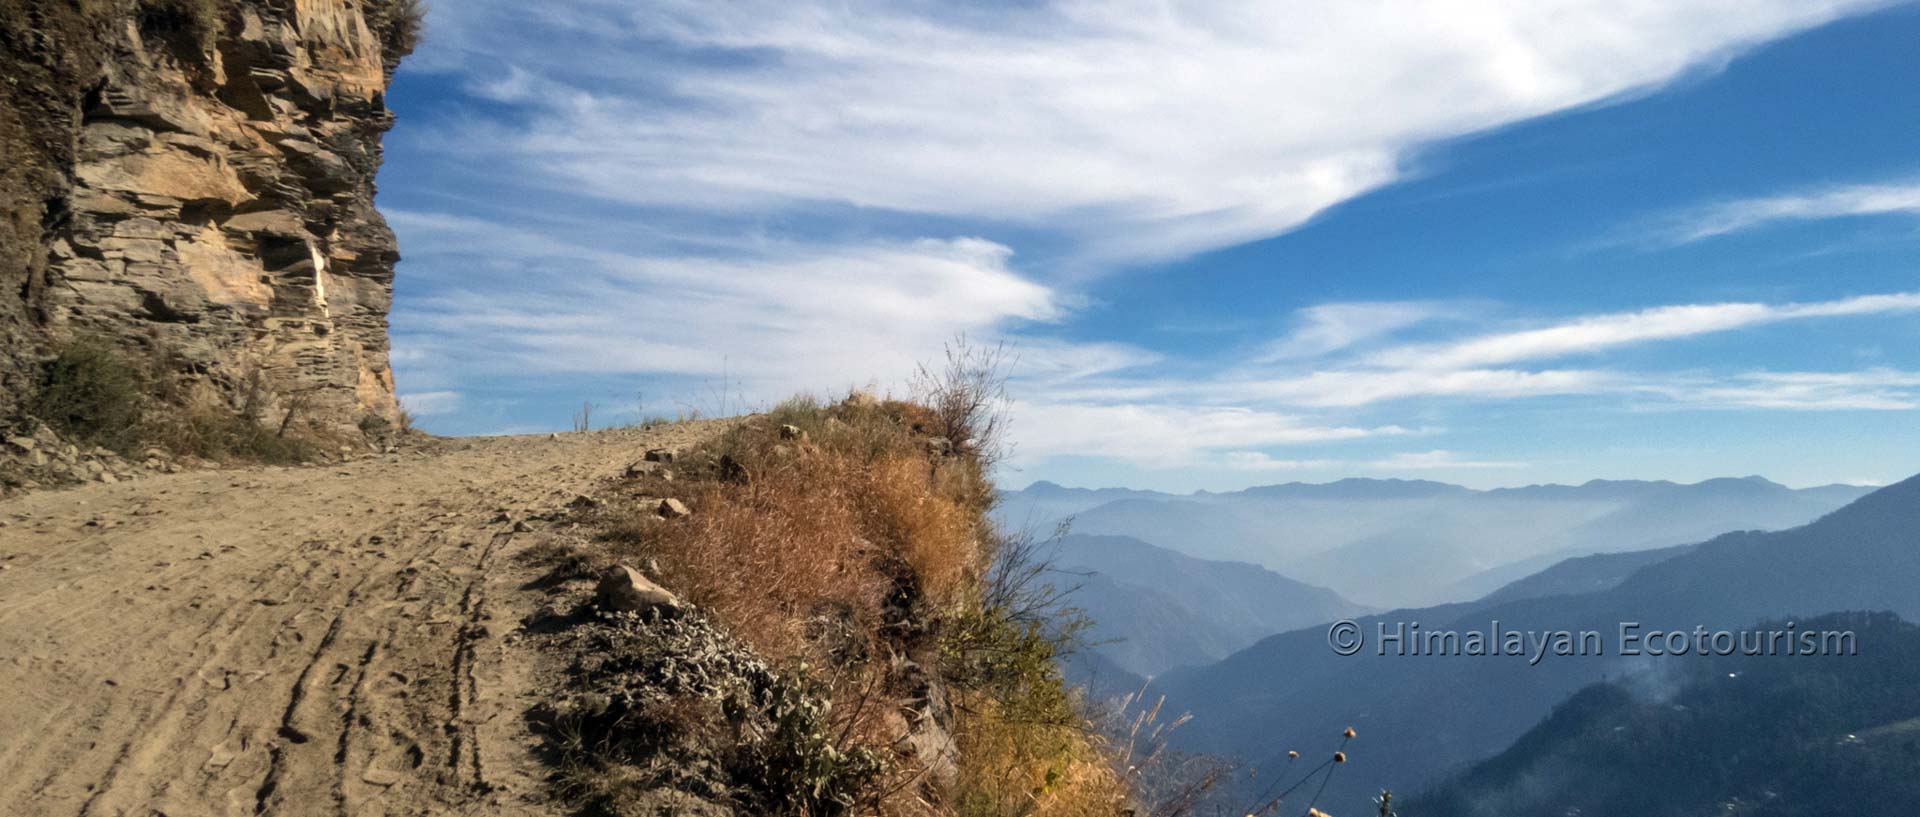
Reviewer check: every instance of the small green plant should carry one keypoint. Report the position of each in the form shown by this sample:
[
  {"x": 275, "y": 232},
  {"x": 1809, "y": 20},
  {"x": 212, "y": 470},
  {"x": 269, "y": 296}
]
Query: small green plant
[
  {"x": 90, "y": 393},
  {"x": 93, "y": 393}
]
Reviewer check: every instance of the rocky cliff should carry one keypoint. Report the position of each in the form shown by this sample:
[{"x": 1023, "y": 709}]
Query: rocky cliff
[{"x": 194, "y": 179}]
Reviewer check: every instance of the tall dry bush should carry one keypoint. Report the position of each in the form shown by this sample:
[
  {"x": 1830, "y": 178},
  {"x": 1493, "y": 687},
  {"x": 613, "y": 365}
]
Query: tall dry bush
[
  {"x": 820, "y": 532},
  {"x": 966, "y": 398},
  {"x": 815, "y": 524}
]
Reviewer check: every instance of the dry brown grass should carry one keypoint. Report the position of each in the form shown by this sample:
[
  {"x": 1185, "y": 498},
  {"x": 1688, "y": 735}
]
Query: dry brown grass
[
  {"x": 769, "y": 556},
  {"x": 837, "y": 538},
  {"x": 1016, "y": 767},
  {"x": 830, "y": 529}
]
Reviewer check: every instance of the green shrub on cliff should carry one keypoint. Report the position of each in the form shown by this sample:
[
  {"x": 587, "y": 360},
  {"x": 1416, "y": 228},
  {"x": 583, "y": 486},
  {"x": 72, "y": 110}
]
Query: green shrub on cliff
[
  {"x": 94, "y": 394},
  {"x": 90, "y": 394}
]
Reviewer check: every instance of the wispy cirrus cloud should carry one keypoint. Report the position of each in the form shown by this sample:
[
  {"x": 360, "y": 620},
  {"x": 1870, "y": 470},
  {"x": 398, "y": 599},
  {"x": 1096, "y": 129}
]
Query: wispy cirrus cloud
[
  {"x": 1138, "y": 129},
  {"x": 1807, "y": 205},
  {"x": 431, "y": 403},
  {"x": 1878, "y": 389},
  {"x": 771, "y": 318},
  {"x": 1328, "y": 328},
  {"x": 1168, "y": 434},
  {"x": 1237, "y": 418},
  {"x": 1432, "y": 460},
  {"x": 1603, "y": 332},
  {"x": 804, "y": 195}
]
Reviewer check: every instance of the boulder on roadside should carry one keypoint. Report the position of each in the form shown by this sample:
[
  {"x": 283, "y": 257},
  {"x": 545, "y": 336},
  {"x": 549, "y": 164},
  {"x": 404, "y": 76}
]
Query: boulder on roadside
[
  {"x": 626, "y": 590},
  {"x": 673, "y": 508}
]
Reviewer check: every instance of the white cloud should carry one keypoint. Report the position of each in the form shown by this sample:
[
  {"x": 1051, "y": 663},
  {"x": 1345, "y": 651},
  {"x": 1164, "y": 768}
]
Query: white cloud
[
  {"x": 699, "y": 138},
  {"x": 1166, "y": 435},
  {"x": 1836, "y": 202},
  {"x": 1871, "y": 390},
  {"x": 1142, "y": 128},
  {"x": 772, "y": 319},
  {"x": 1349, "y": 388},
  {"x": 431, "y": 403},
  {"x": 1055, "y": 364},
  {"x": 1437, "y": 459},
  {"x": 1262, "y": 461},
  {"x": 1329, "y": 328},
  {"x": 1434, "y": 460},
  {"x": 1601, "y": 332}
]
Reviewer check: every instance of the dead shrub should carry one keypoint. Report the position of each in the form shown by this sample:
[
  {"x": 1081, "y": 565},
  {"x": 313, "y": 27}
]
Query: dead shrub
[
  {"x": 967, "y": 399},
  {"x": 768, "y": 555},
  {"x": 203, "y": 424},
  {"x": 821, "y": 533}
]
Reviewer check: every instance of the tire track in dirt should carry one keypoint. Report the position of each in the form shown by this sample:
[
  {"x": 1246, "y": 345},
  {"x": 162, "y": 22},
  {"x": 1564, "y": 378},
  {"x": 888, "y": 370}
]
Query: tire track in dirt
[{"x": 286, "y": 641}]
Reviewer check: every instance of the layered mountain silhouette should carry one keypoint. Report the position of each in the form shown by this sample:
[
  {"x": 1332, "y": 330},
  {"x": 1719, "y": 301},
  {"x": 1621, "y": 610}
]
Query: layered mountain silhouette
[
  {"x": 1392, "y": 543},
  {"x": 1423, "y": 716},
  {"x": 1734, "y": 735},
  {"x": 1154, "y": 609}
]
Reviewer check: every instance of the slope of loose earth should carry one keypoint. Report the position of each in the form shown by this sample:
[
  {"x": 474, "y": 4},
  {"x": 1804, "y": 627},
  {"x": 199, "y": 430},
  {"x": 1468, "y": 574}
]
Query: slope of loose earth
[{"x": 327, "y": 640}]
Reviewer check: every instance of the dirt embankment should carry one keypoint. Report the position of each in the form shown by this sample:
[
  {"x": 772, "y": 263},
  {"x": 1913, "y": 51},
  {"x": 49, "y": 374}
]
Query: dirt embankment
[{"x": 326, "y": 640}]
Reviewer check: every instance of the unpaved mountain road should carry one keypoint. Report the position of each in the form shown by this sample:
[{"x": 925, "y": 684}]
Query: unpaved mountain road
[{"x": 286, "y": 641}]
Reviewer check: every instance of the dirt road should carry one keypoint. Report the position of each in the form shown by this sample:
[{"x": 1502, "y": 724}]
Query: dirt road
[{"x": 286, "y": 641}]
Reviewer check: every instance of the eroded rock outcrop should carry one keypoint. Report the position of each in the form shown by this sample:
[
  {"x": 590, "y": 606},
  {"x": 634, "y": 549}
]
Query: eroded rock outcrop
[{"x": 195, "y": 177}]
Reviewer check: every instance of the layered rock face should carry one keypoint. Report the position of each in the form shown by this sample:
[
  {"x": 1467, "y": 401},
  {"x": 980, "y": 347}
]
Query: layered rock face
[{"x": 199, "y": 182}]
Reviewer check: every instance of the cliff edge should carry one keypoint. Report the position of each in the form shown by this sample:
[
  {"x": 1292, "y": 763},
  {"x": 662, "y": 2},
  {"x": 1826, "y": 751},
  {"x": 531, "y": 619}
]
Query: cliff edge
[{"x": 195, "y": 179}]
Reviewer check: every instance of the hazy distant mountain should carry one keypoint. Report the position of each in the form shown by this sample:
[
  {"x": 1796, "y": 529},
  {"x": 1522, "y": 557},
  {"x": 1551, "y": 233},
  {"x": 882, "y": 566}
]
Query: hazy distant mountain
[
  {"x": 1042, "y": 505},
  {"x": 1583, "y": 574},
  {"x": 1154, "y": 609},
  {"x": 1738, "y": 735},
  {"x": 1420, "y": 716},
  {"x": 1409, "y": 543}
]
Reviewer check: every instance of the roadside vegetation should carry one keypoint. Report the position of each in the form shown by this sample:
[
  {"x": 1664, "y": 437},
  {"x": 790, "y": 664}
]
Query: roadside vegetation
[
  {"x": 95, "y": 394},
  {"x": 889, "y": 651}
]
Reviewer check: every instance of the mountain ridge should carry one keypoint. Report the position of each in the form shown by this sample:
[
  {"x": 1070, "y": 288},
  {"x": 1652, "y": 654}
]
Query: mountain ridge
[{"x": 1861, "y": 557}]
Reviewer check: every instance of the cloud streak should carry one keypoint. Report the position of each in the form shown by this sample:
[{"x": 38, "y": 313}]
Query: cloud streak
[
  {"x": 804, "y": 195},
  {"x": 1838, "y": 202},
  {"x": 773, "y": 319},
  {"x": 1603, "y": 332},
  {"x": 1141, "y": 129}
]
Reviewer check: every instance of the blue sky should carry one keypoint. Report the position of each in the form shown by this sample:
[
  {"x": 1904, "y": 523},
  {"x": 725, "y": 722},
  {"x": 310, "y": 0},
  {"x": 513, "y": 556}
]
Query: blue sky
[{"x": 1492, "y": 245}]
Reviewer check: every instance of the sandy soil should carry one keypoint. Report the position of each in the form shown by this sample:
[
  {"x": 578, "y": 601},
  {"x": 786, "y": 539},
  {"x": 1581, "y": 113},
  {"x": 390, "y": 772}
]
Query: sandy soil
[{"x": 287, "y": 641}]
